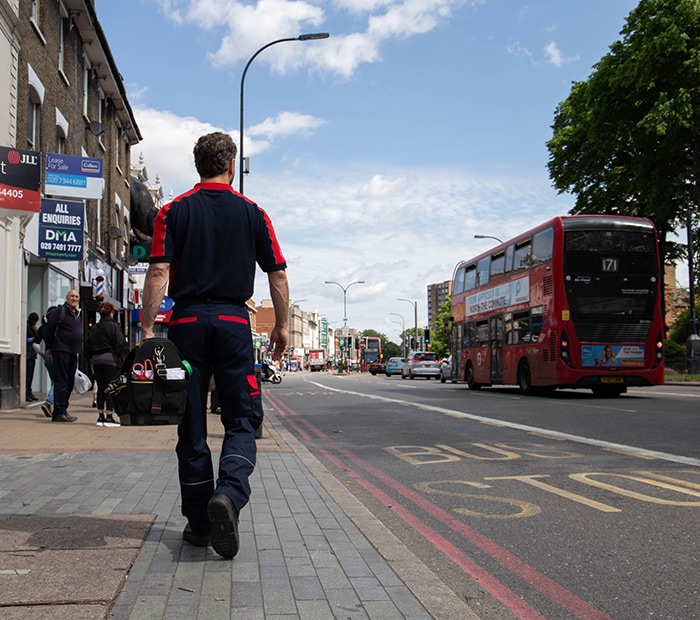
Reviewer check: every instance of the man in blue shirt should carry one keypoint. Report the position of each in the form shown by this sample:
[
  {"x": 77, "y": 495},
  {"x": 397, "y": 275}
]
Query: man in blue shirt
[{"x": 206, "y": 244}]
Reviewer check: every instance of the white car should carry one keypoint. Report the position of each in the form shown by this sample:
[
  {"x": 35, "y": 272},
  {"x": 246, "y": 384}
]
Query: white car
[{"x": 421, "y": 364}]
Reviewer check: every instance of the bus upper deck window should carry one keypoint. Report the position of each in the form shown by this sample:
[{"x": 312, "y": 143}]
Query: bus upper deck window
[
  {"x": 523, "y": 252},
  {"x": 498, "y": 262}
]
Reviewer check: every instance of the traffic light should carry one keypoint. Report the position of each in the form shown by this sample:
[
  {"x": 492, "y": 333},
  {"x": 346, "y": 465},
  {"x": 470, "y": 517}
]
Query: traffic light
[
  {"x": 357, "y": 343},
  {"x": 349, "y": 342},
  {"x": 426, "y": 336}
]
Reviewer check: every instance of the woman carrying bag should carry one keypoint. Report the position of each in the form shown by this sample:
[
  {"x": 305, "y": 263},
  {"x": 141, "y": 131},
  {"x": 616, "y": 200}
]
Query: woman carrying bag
[{"x": 106, "y": 348}]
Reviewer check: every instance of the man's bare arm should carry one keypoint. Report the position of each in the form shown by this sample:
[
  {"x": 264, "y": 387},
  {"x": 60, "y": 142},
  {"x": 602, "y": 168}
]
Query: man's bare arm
[
  {"x": 279, "y": 291},
  {"x": 154, "y": 289}
]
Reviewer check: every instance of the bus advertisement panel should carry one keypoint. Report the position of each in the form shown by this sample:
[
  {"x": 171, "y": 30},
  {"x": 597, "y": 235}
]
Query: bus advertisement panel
[{"x": 572, "y": 303}]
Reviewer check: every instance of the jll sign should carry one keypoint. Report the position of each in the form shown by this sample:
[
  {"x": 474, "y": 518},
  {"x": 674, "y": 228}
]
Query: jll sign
[{"x": 20, "y": 181}]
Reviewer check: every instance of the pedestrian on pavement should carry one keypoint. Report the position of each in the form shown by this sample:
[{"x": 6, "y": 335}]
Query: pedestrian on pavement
[
  {"x": 47, "y": 407},
  {"x": 63, "y": 335},
  {"x": 106, "y": 348},
  {"x": 32, "y": 328},
  {"x": 215, "y": 236}
]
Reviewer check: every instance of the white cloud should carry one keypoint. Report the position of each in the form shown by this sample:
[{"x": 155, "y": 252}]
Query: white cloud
[
  {"x": 248, "y": 26},
  {"x": 285, "y": 124},
  {"x": 553, "y": 55},
  {"x": 516, "y": 49}
]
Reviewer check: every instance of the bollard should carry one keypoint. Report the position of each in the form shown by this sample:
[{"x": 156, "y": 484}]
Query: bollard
[{"x": 258, "y": 377}]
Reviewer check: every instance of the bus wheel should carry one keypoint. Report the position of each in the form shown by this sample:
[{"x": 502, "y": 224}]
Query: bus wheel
[
  {"x": 469, "y": 378},
  {"x": 524, "y": 381}
]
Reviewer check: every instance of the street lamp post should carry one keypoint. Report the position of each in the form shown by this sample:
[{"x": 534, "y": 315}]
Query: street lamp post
[
  {"x": 345, "y": 306},
  {"x": 345, "y": 290},
  {"x": 301, "y": 37},
  {"x": 403, "y": 332},
  {"x": 487, "y": 237},
  {"x": 415, "y": 310}
]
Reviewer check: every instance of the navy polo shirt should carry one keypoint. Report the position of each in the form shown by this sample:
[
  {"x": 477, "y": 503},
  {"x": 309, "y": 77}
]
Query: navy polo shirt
[{"x": 212, "y": 236}]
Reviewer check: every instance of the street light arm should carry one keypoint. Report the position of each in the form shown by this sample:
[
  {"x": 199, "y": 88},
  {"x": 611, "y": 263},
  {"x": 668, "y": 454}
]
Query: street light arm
[
  {"x": 301, "y": 37},
  {"x": 487, "y": 237}
]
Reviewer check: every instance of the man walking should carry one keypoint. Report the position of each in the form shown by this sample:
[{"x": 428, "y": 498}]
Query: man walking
[
  {"x": 213, "y": 237},
  {"x": 63, "y": 335}
]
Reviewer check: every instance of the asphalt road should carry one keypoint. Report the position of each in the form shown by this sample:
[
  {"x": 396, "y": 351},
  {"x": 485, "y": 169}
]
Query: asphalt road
[{"x": 557, "y": 507}]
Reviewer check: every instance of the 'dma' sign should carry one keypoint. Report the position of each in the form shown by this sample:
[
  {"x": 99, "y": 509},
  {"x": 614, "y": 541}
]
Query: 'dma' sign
[{"x": 61, "y": 229}]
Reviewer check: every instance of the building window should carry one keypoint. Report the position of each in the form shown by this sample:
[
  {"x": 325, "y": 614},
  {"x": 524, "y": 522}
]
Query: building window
[
  {"x": 62, "y": 43},
  {"x": 35, "y": 12},
  {"x": 33, "y": 122},
  {"x": 86, "y": 87},
  {"x": 61, "y": 132},
  {"x": 118, "y": 142}
]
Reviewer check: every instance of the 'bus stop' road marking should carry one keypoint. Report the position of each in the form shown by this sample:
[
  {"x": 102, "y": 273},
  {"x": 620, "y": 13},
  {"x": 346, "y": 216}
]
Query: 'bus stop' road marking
[{"x": 631, "y": 450}]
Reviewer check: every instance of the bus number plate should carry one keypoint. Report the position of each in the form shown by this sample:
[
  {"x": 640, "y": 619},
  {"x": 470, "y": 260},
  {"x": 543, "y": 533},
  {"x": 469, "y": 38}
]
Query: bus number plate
[{"x": 612, "y": 379}]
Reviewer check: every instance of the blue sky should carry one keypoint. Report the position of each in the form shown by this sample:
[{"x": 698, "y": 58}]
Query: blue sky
[{"x": 379, "y": 152}]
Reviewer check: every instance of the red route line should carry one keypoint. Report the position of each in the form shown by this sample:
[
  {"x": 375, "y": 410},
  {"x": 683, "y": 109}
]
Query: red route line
[{"x": 544, "y": 584}]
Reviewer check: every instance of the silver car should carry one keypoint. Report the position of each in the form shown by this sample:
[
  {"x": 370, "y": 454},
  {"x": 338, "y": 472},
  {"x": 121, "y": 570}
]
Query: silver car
[{"x": 421, "y": 364}]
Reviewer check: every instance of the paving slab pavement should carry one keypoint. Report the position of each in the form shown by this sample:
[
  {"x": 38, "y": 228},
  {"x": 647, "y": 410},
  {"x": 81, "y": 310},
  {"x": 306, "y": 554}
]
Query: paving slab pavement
[{"x": 90, "y": 527}]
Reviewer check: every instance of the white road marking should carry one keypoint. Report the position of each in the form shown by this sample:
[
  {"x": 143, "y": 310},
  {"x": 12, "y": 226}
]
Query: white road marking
[{"x": 634, "y": 451}]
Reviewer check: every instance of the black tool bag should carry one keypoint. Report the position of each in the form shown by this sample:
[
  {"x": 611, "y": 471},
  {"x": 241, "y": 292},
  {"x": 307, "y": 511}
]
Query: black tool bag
[{"x": 152, "y": 388}]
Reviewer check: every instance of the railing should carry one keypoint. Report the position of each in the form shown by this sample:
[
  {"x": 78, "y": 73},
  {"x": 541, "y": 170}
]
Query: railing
[{"x": 677, "y": 370}]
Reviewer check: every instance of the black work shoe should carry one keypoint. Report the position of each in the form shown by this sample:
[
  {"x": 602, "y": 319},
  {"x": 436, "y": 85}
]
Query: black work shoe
[
  {"x": 224, "y": 525},
  {"x": 64, "y": 418},
  {"x": 198, "y": 540}
]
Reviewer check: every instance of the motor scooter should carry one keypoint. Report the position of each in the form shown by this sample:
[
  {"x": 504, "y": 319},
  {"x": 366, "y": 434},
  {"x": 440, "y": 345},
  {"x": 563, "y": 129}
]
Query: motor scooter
[{"x": 269, "y": 373}]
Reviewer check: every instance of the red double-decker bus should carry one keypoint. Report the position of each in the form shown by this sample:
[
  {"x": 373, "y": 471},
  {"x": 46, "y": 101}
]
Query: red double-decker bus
[
  {"x": 371, "y": 351},
  {"x": 572, "y": 303}
]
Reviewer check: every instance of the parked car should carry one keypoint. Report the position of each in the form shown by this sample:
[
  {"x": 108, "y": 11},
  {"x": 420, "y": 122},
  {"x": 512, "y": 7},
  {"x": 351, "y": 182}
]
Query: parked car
[
  {"x": 446, "y": 370},
  {"x": 393, "y": 366},
  {"x": 421, "y": 364},
  {"x": 376, "y": 368}
]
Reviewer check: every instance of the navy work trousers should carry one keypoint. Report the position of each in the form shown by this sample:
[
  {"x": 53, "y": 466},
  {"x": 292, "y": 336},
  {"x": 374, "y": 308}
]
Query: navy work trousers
[
  {"x": 64, "y": 366},
  {"x": 216, "y": 338}
]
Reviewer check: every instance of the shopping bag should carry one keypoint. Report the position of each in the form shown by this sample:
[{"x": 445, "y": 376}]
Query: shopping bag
[{"x": 82, "y": 382}]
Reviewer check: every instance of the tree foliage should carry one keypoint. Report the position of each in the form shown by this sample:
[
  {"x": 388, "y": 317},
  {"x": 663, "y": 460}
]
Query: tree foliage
[
  {"x": 627, "y": 140},
  {"x": 441, "y": 328}
]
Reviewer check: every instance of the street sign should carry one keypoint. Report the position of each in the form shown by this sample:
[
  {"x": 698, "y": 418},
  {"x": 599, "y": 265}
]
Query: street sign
[
  {"x": 61, "y": 224},
  {"x": 73, "y": 176}
]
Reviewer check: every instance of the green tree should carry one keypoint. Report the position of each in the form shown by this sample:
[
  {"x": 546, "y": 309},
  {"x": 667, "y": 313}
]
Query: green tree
[
  {"x": 627, "y": 140},
  {"x": 680, "y": 330},
  {"x": 441, "y": 328}
]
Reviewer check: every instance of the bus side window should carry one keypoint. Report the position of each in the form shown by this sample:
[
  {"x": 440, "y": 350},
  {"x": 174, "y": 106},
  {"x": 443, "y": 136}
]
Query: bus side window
[
  {"x": 508, "y": 326},
  {"x": 482, "y": 271},
  {"x": 482, "y": 333},
  {"x": 521, "y": 326},
  {"x": 497, "y": 268},
  {"x": 523, "y": 253},
  {"x": 470, "y": 278},
  {"x": 542, "y": 246},
  {"x": 469, "y": 335},
  {"x": 458, "y": 286},
  {"x": 510, "y": 250},
  {"x": 537, "y": 315}
]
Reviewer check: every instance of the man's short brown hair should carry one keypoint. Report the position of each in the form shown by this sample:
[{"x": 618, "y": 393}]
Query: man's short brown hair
[{"x": 213, "y": 154}]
